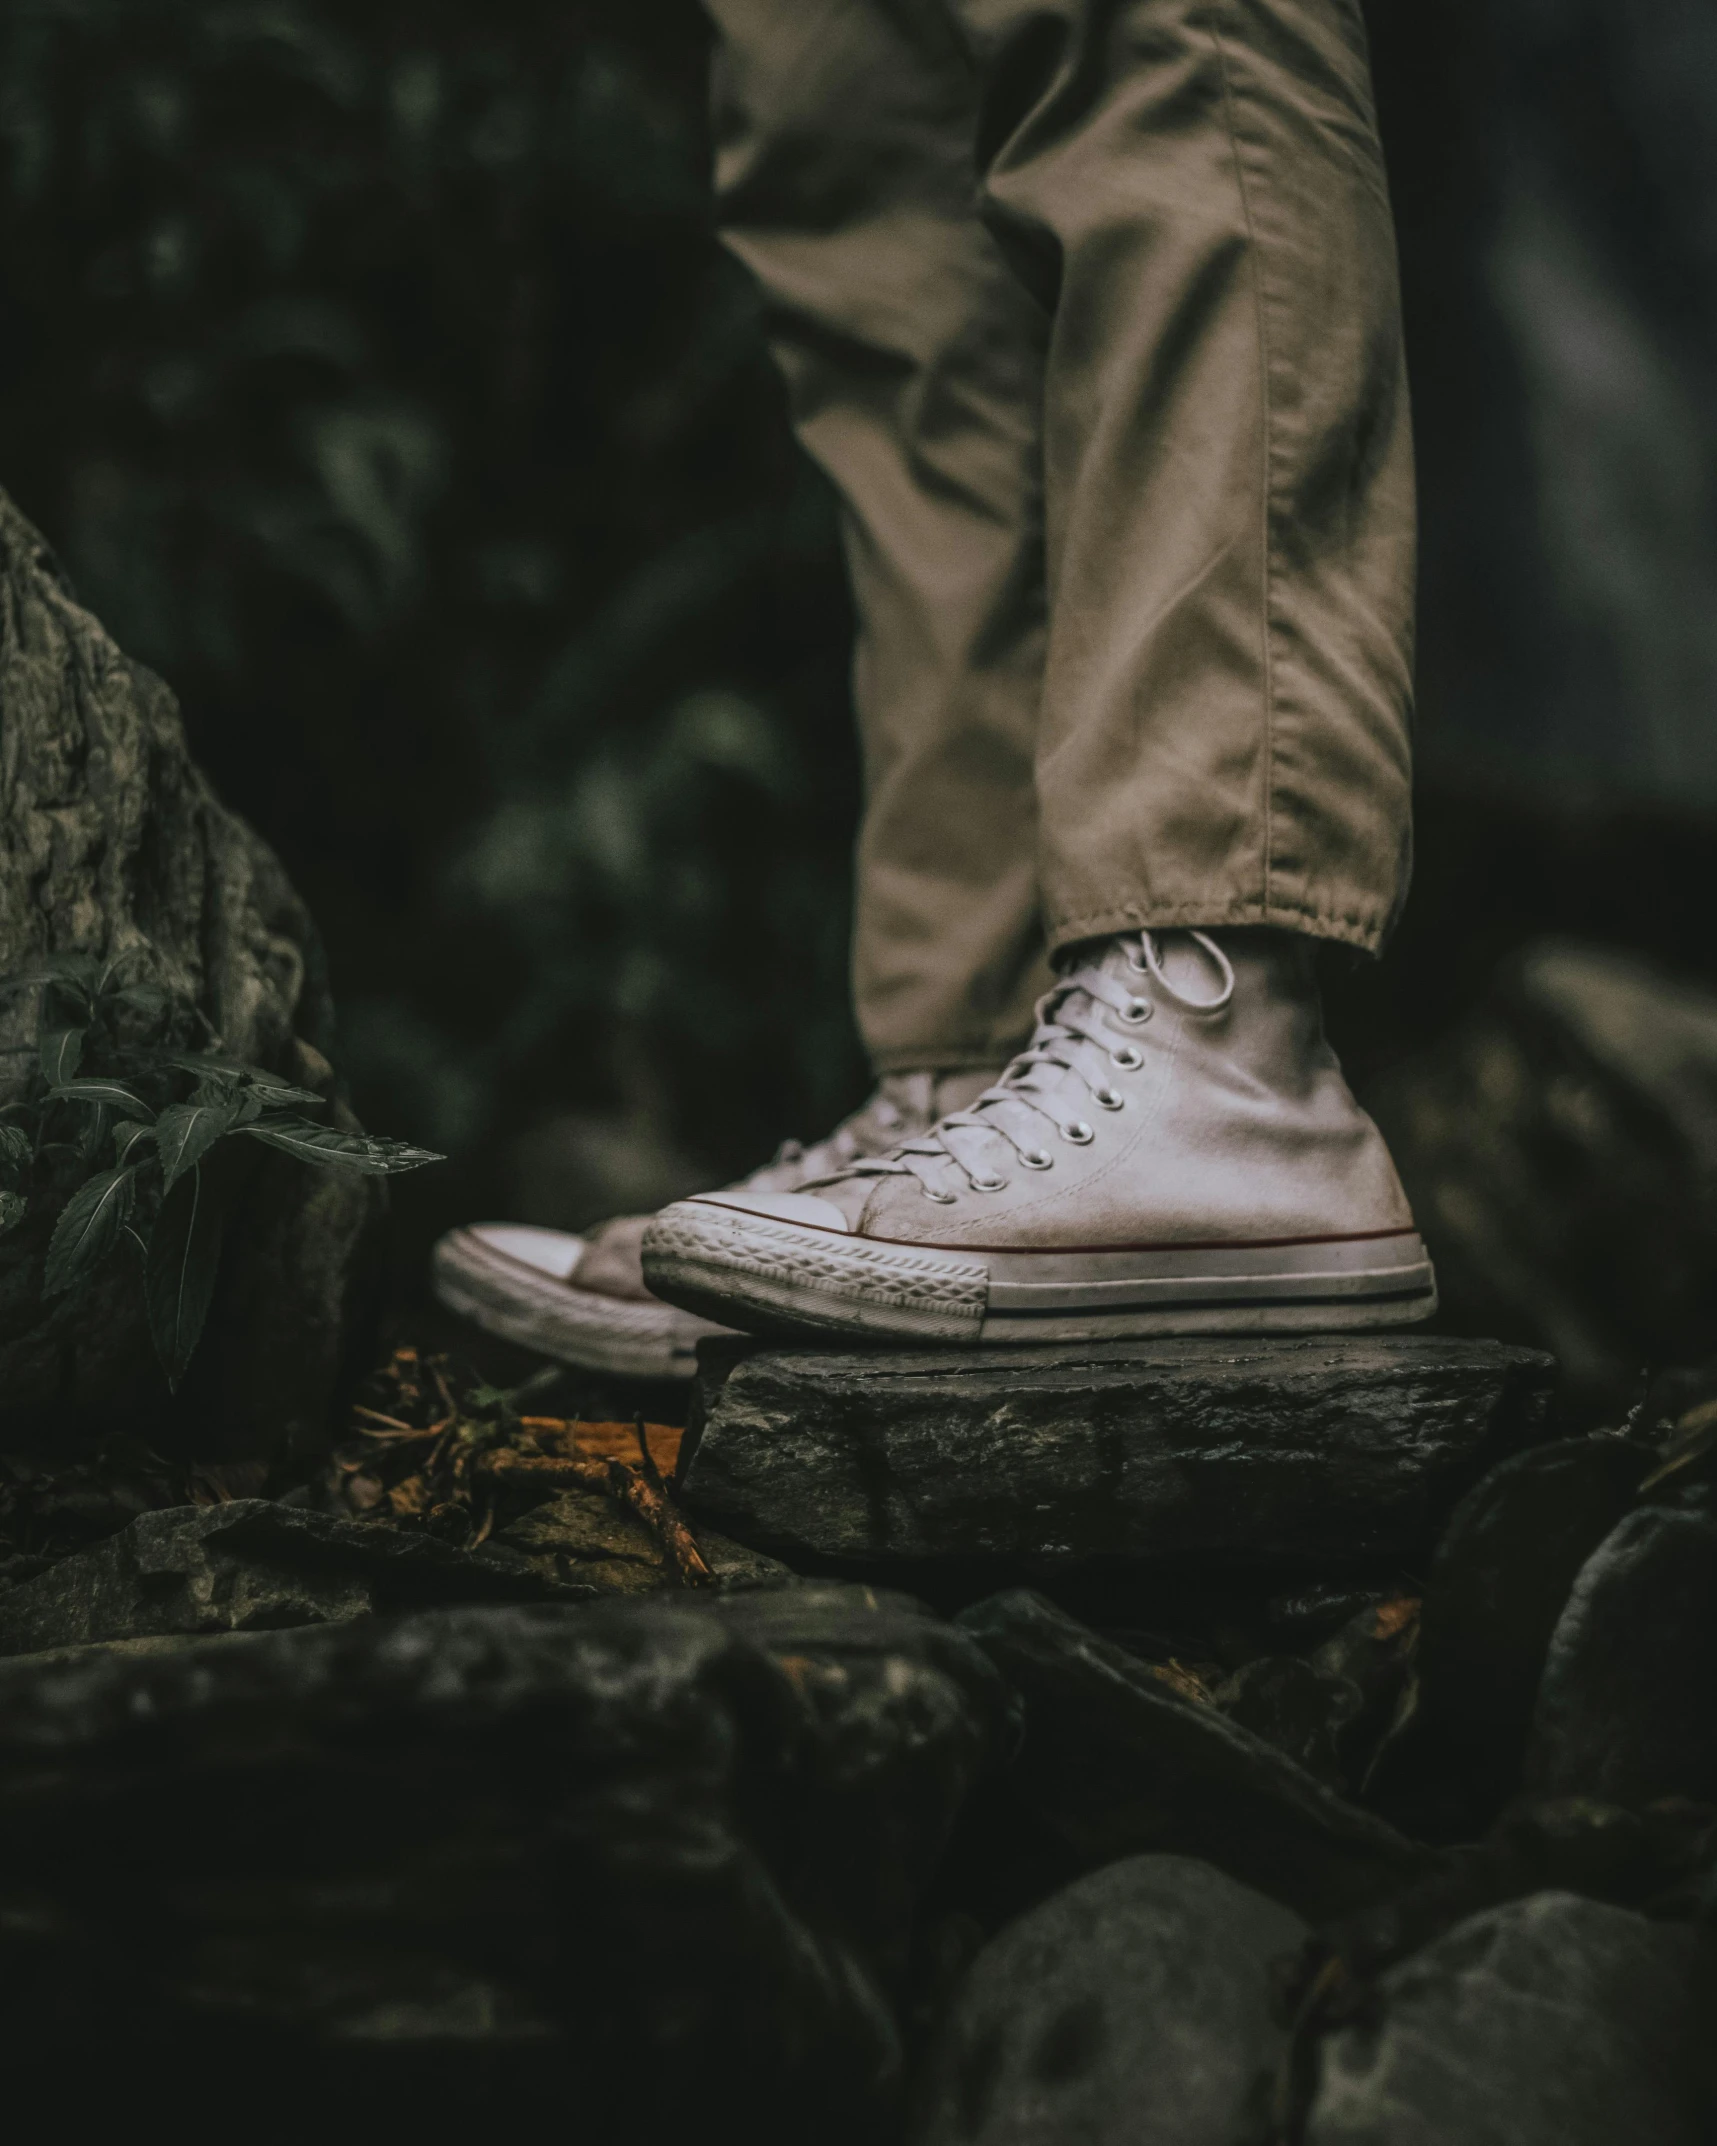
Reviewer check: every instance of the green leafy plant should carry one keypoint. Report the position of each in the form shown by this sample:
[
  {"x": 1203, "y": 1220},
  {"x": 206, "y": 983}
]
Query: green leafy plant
[{"x": 125, "y": 1137}]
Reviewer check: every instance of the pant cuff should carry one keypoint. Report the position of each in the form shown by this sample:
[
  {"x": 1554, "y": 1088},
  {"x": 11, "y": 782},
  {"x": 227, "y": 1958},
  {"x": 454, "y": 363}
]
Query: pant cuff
[{"x": 1366, "y": 932}]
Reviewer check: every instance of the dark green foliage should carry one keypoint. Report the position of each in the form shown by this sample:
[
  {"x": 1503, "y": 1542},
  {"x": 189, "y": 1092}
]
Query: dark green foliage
[
  {"x": 169, "y": 1186},
  {"x": 376, "y": 372},
  {"x": 182, "y": 1262},
  {"x": 88, "y": 1228}
]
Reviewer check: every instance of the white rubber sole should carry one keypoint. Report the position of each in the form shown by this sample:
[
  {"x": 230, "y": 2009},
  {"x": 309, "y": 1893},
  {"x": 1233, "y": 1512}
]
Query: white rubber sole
[
  {"x": 519, "y": 1303},
  {"x": 769, "y": 1276}
]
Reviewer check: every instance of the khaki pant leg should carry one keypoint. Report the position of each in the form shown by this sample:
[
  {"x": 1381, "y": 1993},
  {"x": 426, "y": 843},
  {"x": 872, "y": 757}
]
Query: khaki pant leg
[
  {"x": 845, "y": 181},
  {"x": 1194, "y": 191}
]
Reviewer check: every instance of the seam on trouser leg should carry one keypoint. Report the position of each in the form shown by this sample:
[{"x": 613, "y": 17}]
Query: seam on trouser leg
[{"x": 1267, "y": 471}]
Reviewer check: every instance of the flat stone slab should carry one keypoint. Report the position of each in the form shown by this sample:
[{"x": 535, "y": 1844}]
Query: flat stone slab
[
  {"x": 253, "y": 1565},
  {"x": 1316, "y": 1451}
]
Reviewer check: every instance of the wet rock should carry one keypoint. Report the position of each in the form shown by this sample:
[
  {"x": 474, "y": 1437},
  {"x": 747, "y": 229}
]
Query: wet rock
[
  {"x": 115, "y": 845},
  {"x": 1499, "y": 1582},
  {"x": 254, "y": 1565},
  {"x": 1289, "y": 1705},
  {"x": 1114, "y": 1762},
  {"x": 1301, "y": 1616},
  {"x": 1328, "y": 1452},
  {"x": 1624, "y": 1711},
  {"x": 1373, "y": 1656},
  {"x": 1661, "y": 1857},
  {"x": 1552, "y": 2021},
  {"x": 584, "y": 1538},
  {"x": 655, "y": 1864},
  {"x": 737, "y": 1566},
  {"x": 1330, "y": 1710},
  {"x": 1560, "y": 1149},
  {"x": 1132, "y": 2009}
]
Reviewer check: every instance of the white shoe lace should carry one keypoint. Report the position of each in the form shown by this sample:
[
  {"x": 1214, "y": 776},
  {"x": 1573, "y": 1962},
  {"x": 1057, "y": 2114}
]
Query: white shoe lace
[{"x": 1077, "y": 1022}]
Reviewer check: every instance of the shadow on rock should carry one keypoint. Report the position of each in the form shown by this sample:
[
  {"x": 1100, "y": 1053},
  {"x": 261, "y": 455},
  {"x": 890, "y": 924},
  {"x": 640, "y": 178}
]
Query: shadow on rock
[{"x": 653, "y": 1863}]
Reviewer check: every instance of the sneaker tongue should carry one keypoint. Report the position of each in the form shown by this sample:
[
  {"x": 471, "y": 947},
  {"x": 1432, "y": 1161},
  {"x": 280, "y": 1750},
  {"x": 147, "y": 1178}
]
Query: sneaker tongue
[
  {"x": 612, "y": 1264},
  {"x": 902, "y": 1106}
]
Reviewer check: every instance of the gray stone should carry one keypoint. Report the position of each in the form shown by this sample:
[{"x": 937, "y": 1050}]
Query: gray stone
[
  {"x": 1132, "y": 2009},
  {"x": 1114, "y": 1762},
  {"x": 1291, "y": 1706},
  {"x": 1330, "y": 1711},
  {"x": 1552, "y": 2021},
  {"x": 1625, "y": 1709},
  {"x": 254, "y": 1565},
  {"x": 1325, "y": 1451},
  {"x": 1497, "y": 1585},
  {"x": 654, "y": 1864},
  {"x": 584, "y": 1537},
  {"x": 116, "y": 846},
  {"x": 1560, "y": 1149}
]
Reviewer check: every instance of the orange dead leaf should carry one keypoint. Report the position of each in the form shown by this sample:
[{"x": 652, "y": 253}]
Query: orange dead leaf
[
  {"x": 610, "y": 1441},
  {"x": 1394, "y": 1616}
]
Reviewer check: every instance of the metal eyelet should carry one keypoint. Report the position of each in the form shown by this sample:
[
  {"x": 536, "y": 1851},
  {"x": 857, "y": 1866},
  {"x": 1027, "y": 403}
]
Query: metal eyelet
[
  {"x": 989, "y": 1184},
  {"x": 942, "y": 1199},
  {"x": 1127, "y": 1058},
  {"x": 1079, "y": 1133},
  {"x": 1108, "y": 1098},
  {"x": 1037, "y": 1160},
  {"x": 1137, "y": 1013},
  {"x": 1136, "y": 961}
]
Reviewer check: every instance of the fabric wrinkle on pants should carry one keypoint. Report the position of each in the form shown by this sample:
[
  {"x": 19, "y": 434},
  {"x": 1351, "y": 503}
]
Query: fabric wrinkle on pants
[
  {"x": 913, "y": 362},
  {"x": 1089, "y": 309}
]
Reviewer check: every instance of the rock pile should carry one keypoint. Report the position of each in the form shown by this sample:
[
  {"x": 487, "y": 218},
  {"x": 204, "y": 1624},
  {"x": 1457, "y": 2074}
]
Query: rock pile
[{"x": 1402, "y": 1857}]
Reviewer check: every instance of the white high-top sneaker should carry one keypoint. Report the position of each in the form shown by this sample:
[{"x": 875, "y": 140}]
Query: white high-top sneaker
[
  {"x": 584, "y": 1300},
  {"x": 1177, "y": 1152}
]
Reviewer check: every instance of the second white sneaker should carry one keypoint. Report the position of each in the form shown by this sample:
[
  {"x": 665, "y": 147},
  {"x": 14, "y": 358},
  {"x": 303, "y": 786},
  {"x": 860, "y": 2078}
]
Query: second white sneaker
[
  {"x": 584, "y": 1300},
  {"x": 1177, "y": 1152}
]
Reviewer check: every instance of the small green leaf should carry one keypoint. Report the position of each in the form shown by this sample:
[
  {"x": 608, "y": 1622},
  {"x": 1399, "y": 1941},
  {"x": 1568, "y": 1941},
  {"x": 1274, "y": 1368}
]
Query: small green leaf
[
  {"x": 143, "y": 998},
  {"x": 184, "y": 1260},
  {"x": 208, "y": 1063},
  {"x": 326, "y": 1144},
  {"x": 14, "y": 1144},
  {"x": 276, "y": 1090},
  {"x": 62, "y": 1051},
  {"x": 75, "y": 975},
  {"x": 89, "y": 1223},
  {"x": 111, "y": 1092},
  {"x": 222, "y": 1071},
  {"x": 185, "y": 1132},
  {"x": 12, "y": 1206},
  {"x": 126, "y": 1136},
  {"x": 104, "y": 981}
]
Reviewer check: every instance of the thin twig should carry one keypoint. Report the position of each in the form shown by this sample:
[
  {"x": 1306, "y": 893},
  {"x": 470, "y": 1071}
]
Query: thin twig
[
  {"x": 375, "y": 1416},
  {"x": 646, "y": 1459},
  {"x": 628, "y": 1487}
]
